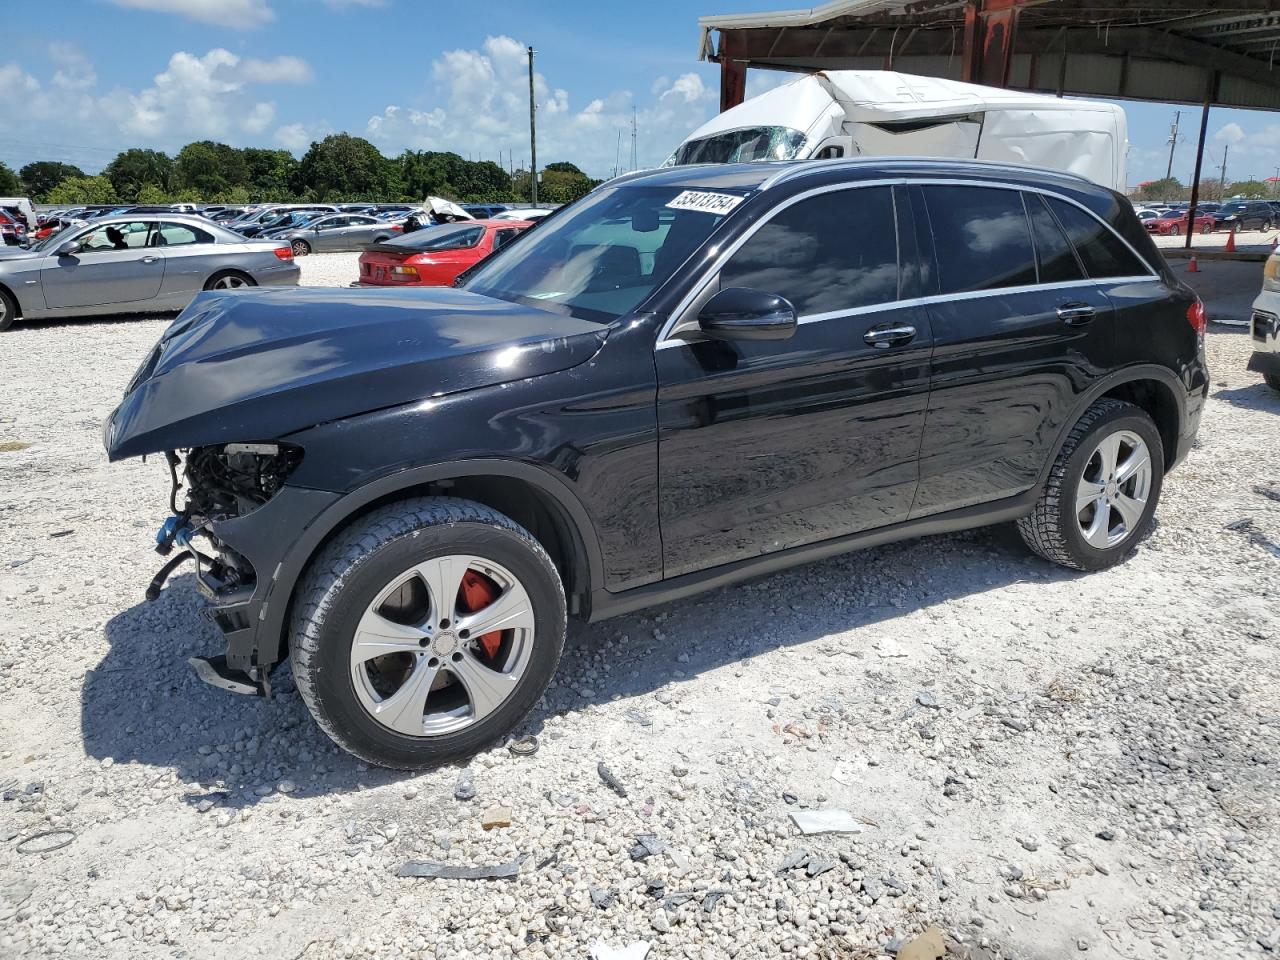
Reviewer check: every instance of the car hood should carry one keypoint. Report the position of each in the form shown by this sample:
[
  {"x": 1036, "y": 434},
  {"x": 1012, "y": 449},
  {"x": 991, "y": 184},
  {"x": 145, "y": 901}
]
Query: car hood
[
  {"x": 261, "y": 364},
  {"x": 16, "y": 253}
]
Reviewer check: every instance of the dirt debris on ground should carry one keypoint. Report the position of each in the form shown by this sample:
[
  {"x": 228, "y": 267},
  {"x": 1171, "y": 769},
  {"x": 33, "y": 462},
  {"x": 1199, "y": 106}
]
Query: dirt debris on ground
[{"x": 1044, "y": 764}]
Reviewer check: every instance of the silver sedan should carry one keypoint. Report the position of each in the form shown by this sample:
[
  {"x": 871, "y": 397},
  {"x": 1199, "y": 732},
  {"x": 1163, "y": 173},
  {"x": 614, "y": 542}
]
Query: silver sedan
[
  {"x": 341, "y": 231},
  {"x": 134, "y": 264}
]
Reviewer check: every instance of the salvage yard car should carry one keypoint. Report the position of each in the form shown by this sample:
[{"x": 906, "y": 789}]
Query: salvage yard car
[
  {"x": 343, "y": 231},
  {"x": 1264, "y": 325},
  {"x": 689, "y": 377},
  {"x": 435, "y": 256},
  {"x": 134, "y": 264},
  {"x": 1176, "y": 222}
]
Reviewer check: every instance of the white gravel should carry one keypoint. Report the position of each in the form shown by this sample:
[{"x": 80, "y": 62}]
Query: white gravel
[{"x": 1045, "y": 763}]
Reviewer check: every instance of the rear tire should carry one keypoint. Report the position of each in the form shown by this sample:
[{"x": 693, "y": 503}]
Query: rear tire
[
  {"x": 379, "y": 580},
  {"x": 1080, "y": 488},
  {"x": 229, "y": 280},
  {"x": 8, "y": 310}
]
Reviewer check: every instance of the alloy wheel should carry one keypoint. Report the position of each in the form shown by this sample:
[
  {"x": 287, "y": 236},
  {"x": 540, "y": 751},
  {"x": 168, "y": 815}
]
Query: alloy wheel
[
  {"x": 442, "y": 646},
  {"x": 1112, "y": 494},
  {"x": 229, "y": 282}
]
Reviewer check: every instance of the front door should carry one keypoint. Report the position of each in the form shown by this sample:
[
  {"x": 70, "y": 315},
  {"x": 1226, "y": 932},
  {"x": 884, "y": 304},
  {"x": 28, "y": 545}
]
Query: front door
[
  {"x": 115, "y": 265},
  {"x": 765, "y": 445},
  {"x": 1022, "y": 328}
]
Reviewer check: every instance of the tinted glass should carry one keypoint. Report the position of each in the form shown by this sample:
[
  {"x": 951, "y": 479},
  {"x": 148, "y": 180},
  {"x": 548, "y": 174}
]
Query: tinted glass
[
  {"x": 1104, "y": 254},
  {"x": 831, "y": 252},
  {"x": 981, "y": 238},
  {"x": 501, "y": 237},
  {"x": 605, "y": 254},
  {"x": 453, "y": 236},
  {"x": 1058, "y": 263}
]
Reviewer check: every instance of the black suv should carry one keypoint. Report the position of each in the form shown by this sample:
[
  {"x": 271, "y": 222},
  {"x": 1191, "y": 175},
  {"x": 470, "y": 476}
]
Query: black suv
[
  {"x": 1245, "y": 215},
  {"x": 689, "y": 377}
]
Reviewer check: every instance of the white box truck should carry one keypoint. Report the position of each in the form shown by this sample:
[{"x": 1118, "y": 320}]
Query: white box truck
[{"x": 880, "y": 113}]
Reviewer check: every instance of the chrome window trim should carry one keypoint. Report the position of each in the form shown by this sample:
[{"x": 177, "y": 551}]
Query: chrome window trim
[{"x": 664, "y": 336}]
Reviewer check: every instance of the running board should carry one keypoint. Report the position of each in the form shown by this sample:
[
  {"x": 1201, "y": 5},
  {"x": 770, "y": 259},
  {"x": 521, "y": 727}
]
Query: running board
[{"x": 215, "y": 672}]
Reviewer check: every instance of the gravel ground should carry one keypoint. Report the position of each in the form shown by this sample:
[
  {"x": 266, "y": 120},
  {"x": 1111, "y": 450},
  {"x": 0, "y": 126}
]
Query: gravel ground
[{"x": 1042, "y": 764}]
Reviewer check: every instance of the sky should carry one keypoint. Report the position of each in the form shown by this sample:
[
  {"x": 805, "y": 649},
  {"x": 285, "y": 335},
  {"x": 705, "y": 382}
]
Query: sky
[{"x": 105, "y": 75}]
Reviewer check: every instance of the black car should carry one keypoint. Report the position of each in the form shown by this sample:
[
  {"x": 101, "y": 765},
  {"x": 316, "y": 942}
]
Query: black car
[
  {"x": 483, "y": 211},
  {"x": 1245, "y": 215},
  {"x": 690, "y": 377}
]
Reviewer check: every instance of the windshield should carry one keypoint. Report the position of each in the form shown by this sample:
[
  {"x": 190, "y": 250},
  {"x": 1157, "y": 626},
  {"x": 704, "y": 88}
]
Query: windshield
[
  {"x": 734, "y": 146},
  {"x": 52, "y": 240},
  {"x": 604, "y": 256}
]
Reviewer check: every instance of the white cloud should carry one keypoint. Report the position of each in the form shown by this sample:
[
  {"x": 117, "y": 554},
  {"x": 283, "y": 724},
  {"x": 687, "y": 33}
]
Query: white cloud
[
  {"x": 296, "y": 137},
  {"x": 69, "y": 117},
  {"x": 1231, "y": 133},
  {"x": 237, "y": 14},
  {"x": 279, "y": 70},
  {"x": 478, "y": 106}
]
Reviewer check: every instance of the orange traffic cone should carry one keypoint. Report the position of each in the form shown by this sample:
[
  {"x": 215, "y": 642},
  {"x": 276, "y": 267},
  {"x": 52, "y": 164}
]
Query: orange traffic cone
[
  {"x": 1193, "y": 265},
  {"x": 1231, "y": 241}
]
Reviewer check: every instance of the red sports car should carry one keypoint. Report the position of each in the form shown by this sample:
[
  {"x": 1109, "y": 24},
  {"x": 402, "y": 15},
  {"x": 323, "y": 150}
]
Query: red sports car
[
  {"x": 434, "y": 256},
  {"x": 1175, "y": 223}
]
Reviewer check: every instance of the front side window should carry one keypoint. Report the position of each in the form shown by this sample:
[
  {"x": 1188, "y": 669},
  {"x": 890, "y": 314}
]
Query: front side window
[
  {"x": 981, "y": 238},
  {"x": 1103, "y": 253},
  {"x": 606, "y": 254},
  {"x": 832, "y": 252},
  {"x": 116, "y": 236}
]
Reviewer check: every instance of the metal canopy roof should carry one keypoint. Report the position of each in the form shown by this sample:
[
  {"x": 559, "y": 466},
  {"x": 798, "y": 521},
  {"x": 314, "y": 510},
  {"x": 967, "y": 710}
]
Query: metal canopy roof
[{"x": 1169, "y": 51}]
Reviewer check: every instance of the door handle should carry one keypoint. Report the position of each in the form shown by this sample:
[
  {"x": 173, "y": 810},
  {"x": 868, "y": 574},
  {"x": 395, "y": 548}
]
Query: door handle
[
  {"x": 149, "y": 259},
  {"x": 1075, "y": 314},
  {"x": 890, "y": 335}
]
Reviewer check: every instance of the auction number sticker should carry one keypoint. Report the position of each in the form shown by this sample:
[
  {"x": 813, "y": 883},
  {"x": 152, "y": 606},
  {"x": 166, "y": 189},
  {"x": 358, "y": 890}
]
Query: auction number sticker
[{"x": 718, "y": 203}]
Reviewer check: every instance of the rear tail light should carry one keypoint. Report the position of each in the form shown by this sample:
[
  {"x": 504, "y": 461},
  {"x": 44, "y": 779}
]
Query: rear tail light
[
  {"x": 1197, "y": 318},
  {"x": 283, "y": 253},
  {"x": 405, "y": 271}
]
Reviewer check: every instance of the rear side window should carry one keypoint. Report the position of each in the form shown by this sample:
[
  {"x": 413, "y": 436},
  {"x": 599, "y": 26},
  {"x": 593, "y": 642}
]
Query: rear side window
[
  {"x": 178, "y": 235},
  {"x": 1104, "y": 254},
  {"x": 1057, "y": 259},
  {"x": 828, "y": 253},
  {"x": 981, "y": 238}
]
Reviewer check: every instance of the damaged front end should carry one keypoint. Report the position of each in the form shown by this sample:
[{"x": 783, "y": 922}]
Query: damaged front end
[{"x": 219, "y": 486}]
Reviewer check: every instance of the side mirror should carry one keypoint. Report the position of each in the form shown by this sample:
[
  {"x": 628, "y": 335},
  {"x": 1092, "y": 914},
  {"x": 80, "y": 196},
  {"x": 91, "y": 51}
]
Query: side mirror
[
  {"x": 69, "y": 248},
  {"x": 740, "y": 313}
]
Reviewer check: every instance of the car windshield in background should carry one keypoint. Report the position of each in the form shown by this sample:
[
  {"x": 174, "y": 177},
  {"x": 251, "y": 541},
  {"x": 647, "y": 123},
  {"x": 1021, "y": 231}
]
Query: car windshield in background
[
  {"x": 453, "y": 236},
  {"x": 603, "y": 257},
  {"x": 734, "y": 146}
]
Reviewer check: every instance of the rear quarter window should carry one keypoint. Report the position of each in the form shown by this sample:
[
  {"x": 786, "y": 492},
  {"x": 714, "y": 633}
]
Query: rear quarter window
[
  {"x": 1103, "y": 254},
  {"x": 981, "y": 238}
]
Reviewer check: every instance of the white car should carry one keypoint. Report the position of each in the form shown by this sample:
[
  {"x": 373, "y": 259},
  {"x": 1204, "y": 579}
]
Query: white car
[{"x": 1264, "y": 326}]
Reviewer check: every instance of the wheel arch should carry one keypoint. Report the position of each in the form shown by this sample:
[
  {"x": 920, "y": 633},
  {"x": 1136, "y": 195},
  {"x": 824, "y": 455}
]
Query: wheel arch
[
  {"x": 14, "y": 297},
  {"x": 1155, "y": 389},
  {"x": 537, "y": 500}
]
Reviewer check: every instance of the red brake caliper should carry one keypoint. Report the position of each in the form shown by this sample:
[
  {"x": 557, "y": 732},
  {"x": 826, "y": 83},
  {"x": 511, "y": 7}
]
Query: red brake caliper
[{"x": 476, "y": 593}]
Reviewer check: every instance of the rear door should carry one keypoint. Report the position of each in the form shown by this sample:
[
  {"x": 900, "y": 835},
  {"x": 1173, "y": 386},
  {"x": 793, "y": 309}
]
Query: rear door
[
  {"x": 328, "y": 233},
  {"x": 115, "y": 266},
  {"x": 1021, "y": 332},
  {"x": 766, "y": 445}
]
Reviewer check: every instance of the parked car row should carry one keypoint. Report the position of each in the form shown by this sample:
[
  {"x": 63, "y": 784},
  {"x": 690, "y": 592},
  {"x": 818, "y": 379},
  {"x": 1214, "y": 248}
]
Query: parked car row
[{"x": 1172, "y": 219}]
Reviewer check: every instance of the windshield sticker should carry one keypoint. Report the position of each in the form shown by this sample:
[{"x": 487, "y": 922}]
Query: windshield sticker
[{"x": 717, "y": 203}]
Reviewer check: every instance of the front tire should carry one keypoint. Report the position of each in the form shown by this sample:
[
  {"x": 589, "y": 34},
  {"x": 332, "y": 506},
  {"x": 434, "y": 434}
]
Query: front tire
[
  {"x": 300, "y": 248},
  {"x": 1102, "y": 491},
  {"x": 1266, "y": 226},
  {"x": 1175, "y": 231},
  {"x": 425, "y": 631},
  {"x": 8, "y": 310}
]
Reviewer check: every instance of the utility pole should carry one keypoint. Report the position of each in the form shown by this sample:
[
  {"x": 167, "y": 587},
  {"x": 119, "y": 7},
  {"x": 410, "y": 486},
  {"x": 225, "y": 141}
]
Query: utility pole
[
  {"x": 1222, "y": 182},
  {"x": 1173, "y": 142},
  {"x": 617, "y": 154},
  {"x": 634, "y": 165},
  {"x": 533, "y": 138}
]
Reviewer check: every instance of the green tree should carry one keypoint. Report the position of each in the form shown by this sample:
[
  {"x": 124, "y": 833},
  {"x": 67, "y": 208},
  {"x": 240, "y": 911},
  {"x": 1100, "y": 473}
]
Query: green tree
[
  {"x": 9, "y": 182},
  {"x": 271, "y": 173},
  {"x": 209, "y": 168},
  {"x": 1170, "y": 188},
  {"x": 134, "y": 169},
  {"x": 559, "y": 182},
  {"x": 345, "y": 167},
  {"x": 78, "y": 190},
  {"x": 150, "y": 193},
  {"x": 1250, "y": 188},
  {"x": 40, "y": 177},
  {"x": 428, "y": 173}
]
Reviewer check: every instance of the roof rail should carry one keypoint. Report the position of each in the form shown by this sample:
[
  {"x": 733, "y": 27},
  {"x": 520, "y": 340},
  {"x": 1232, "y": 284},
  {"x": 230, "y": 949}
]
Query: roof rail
[{"x": 803, "y": 167}]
